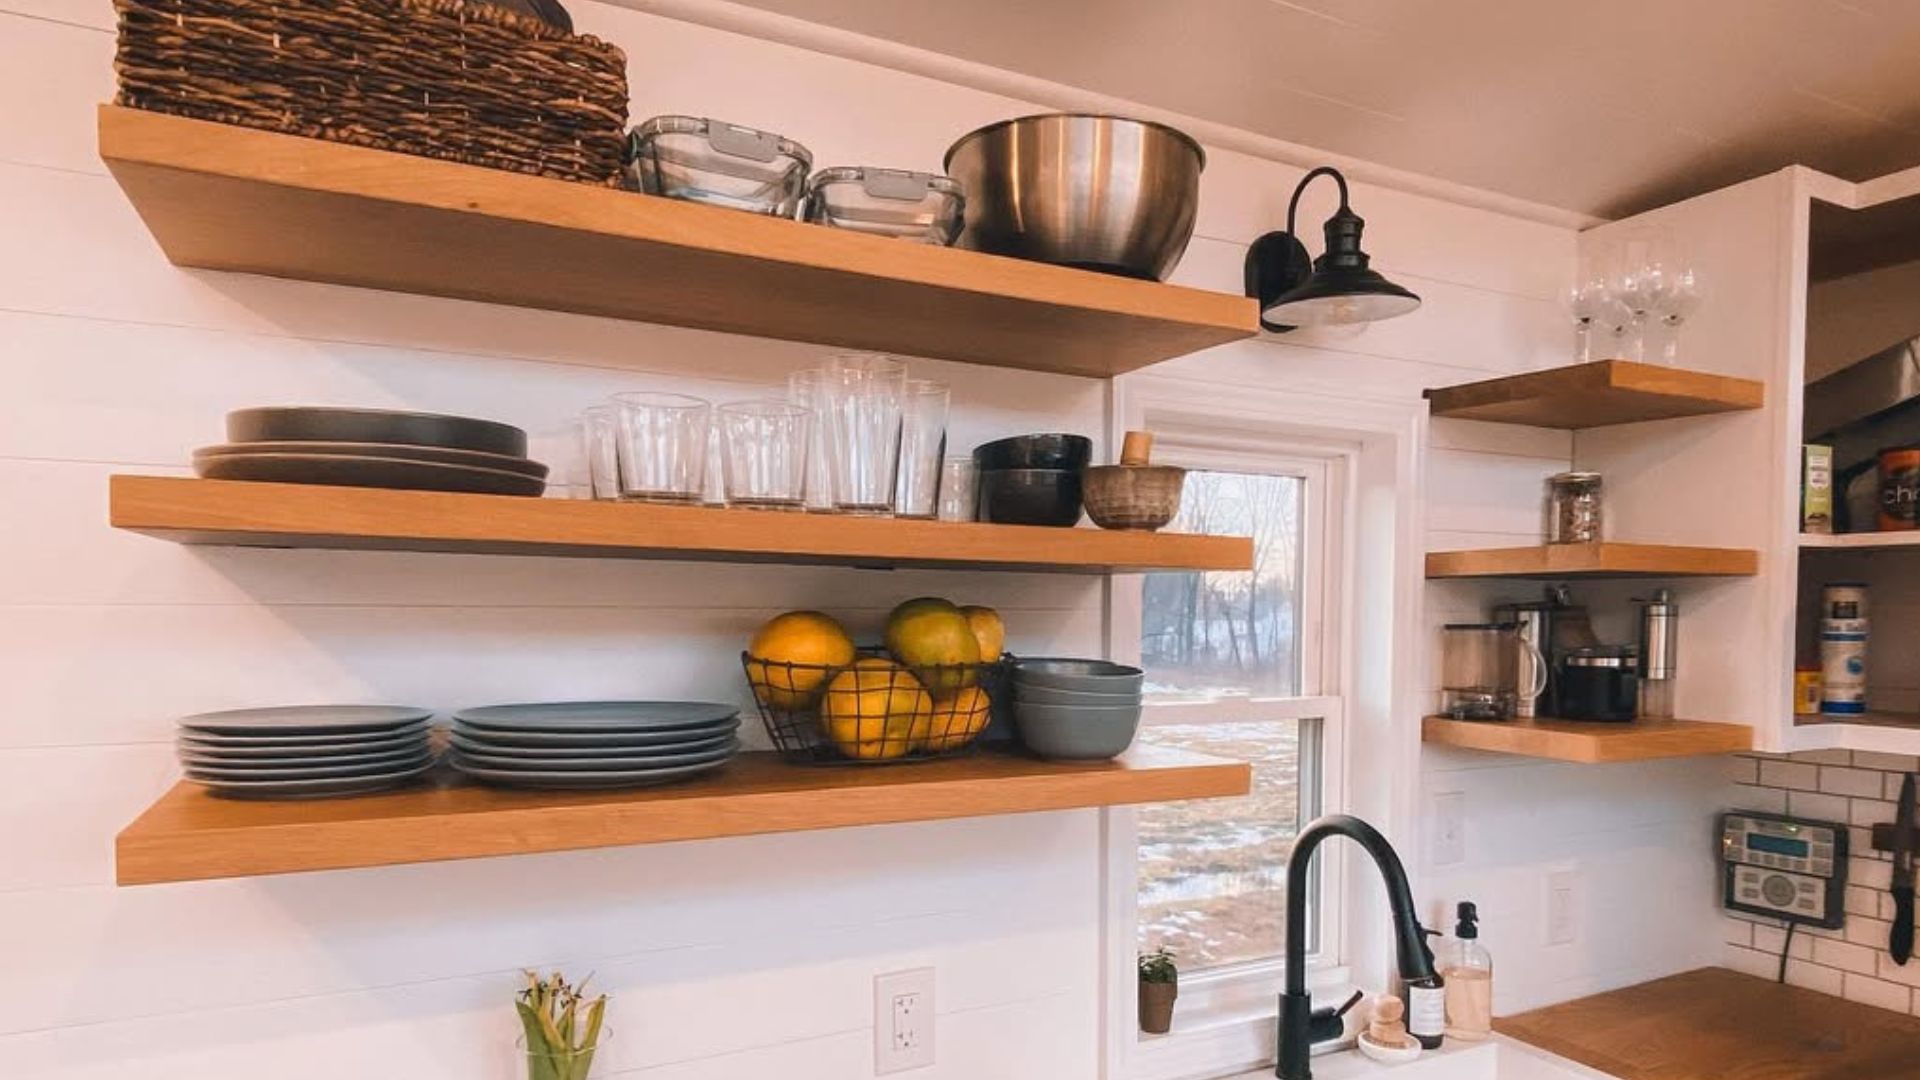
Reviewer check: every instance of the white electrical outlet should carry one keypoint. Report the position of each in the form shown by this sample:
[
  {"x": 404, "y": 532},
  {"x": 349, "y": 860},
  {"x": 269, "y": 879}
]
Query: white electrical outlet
[
  {"x": 902, "y": 1020},
  {"x": 1563, "y": 907},
  {"x": 1449, "y": 828}
]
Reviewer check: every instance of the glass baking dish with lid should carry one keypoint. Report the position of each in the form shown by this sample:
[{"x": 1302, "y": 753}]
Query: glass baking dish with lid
[
  {"x": 721, "y": 164},
  {"x": 916, "y": 206}
]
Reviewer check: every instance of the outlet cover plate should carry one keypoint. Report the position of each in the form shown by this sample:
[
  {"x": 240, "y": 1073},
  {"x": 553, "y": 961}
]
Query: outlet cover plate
[{"x": 902, "y": 1020}]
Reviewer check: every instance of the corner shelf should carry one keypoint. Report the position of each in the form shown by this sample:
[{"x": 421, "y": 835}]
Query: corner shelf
[
  {"x": 1602, "y": 560},
  {"x": 1589, "y": 742},
  {"x": 190, "y": 835},
  {"x": 1862, "y": 541},
  {"x": 1598, "y": 394},
  {"x": 221, "y": 197},
  {"x": 248, "y": 514}
]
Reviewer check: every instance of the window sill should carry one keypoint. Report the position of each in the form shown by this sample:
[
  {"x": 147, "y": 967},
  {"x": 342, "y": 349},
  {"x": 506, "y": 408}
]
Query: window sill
[{"x": 1233, "y": 1029}]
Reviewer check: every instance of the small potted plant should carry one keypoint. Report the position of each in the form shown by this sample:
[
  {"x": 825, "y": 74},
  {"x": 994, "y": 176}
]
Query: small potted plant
[
  {"x": 562, "y": 1030},
  {"x": 1159, "y": 985}
]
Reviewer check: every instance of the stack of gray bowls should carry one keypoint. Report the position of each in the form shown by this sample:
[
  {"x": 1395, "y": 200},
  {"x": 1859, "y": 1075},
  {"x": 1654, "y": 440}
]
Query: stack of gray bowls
[{"x": 1076, "y": 710}]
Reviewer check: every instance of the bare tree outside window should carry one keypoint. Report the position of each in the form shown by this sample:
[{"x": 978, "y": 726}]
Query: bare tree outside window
[{"x": 1211, "y": 872}]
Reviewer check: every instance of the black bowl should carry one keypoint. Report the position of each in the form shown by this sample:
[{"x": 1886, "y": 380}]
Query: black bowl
[
  {"x": 1030, "y": 497},
  {"x": 1057, "y": 451}
]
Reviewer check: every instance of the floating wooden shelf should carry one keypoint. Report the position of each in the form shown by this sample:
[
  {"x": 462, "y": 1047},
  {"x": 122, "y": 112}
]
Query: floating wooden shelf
[
  {"x": 1589, "y": 742},
  {"x": 190, "y": 835},
  {"x": 1870, "y": 718},
  {"x": 220, "y": 197},
  {"x": 1606, "y": 559},
  {"x": 1859, "y": 541},
  {"x": 1596, "y": 395},
  {"x": 245, "y": 514}
]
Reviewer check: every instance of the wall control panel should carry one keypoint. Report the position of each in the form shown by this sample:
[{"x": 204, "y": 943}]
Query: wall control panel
[{"x": 1788, "y": 868}]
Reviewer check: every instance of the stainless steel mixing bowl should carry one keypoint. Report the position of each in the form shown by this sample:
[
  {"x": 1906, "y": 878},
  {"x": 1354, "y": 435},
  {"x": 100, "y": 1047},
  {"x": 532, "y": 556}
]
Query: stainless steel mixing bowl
[{"x": 1099, "y": 192}]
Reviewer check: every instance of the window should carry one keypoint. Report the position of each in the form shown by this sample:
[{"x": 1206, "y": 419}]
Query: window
[
  {"x": 1212, "y": 872},
  {"x": 1284, "y": 667}
]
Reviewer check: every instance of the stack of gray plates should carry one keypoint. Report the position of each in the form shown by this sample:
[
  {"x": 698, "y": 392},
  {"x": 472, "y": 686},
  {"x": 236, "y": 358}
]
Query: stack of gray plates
[
  {"x": 303, "y": 751},
  {"x": 593, "y": 744}
]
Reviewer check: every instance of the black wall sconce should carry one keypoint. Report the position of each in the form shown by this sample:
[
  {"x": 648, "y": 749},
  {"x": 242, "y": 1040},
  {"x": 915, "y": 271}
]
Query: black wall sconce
[{"x": 1338, "y": 287}]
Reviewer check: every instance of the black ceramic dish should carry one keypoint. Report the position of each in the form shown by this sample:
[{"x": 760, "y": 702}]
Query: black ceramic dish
[
  {"x": 322, "y": 424},
  {"x": 372, "y": 472},
  {"x": 438, "y": 455},
  {"x": 1030, "y": 497},
  {"x": 1056, "y": 451}
]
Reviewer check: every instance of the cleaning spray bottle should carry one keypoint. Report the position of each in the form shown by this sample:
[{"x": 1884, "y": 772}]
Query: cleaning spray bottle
[{"x": 1468, "y": 969}]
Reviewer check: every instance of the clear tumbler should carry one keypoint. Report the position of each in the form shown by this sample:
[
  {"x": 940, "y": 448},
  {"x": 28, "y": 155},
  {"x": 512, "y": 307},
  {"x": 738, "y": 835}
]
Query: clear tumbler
[
  {"x": 663, "y": 446},
  {"x": 764, "y": 453},
  {"x": 863, "y": 393},
  {"x": 923, "y": 442},
  {"x": 808, "y": 388},
  {"x": 600, "y": 446},
  {"x": 959, "y": 489}
]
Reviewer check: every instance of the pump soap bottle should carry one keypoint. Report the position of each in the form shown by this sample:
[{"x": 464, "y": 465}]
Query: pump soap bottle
[{"x": 1468, "y": 970}]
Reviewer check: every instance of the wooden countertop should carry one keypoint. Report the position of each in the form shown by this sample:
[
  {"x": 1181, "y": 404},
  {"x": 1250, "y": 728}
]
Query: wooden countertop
[{"x": 1715, "y": 1024}]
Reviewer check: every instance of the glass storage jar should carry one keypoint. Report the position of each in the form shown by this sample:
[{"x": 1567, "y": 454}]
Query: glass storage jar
[{"x": 1573, "y": 508}]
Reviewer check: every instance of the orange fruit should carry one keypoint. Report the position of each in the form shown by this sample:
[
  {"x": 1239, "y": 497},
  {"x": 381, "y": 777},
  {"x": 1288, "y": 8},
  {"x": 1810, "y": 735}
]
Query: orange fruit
[
  {"x": 871, "y": 709},
  {"x": 815, "y": 642}
]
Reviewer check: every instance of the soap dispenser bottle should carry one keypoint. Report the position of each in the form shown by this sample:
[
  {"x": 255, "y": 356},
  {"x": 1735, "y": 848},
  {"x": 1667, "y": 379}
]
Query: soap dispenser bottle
[
  {"x": 1468, "y": 969},
  {"x": 1426, "y": 1001}
]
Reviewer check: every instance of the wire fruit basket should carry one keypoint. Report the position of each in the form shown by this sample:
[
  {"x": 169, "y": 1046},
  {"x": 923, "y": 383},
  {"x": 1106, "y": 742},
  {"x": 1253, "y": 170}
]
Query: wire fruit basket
[{"x": 875, "y": 710}]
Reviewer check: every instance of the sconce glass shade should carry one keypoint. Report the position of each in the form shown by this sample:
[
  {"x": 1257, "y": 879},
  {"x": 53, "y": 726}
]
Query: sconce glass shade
[{"x": 1337, "y": 288}]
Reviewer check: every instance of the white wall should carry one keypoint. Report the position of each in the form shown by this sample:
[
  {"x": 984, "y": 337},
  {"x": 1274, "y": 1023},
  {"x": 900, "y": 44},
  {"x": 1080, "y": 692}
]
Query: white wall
[{"x": 724, "y": 957}]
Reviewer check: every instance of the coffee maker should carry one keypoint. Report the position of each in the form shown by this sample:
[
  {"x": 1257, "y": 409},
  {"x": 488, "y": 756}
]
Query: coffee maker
[{"x": 1554, "y": 626}]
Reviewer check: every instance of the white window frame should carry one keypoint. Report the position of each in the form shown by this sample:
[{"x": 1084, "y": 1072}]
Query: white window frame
[{"x": 1225, "y": 1019}]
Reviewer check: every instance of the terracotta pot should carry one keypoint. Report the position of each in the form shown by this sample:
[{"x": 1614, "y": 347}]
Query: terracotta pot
[{"x": 1156, "y": 1006}]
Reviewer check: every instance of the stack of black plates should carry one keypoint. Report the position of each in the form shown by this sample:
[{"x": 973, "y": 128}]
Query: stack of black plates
[
  {"x": 306, "y": 750},
  {"x": 593, "y": 744},
  {"x": 373, "y": 448}
]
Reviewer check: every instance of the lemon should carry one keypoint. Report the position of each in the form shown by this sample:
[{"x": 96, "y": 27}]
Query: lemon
[
  {"x": 988, "y": 630},
  {"x": 806, "y": 638},
  {"x": 955, "y": 722},
  {"x": 872, "y": 708},
  {"x": 930, "y": 636}
]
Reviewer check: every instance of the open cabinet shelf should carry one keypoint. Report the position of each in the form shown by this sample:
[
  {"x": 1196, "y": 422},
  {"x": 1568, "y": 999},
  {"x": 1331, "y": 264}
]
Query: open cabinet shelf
[
  {"x": 190, "y": 835},
  {"x": 1598, "y": 394},
  {"x": 1589, "y": 742},
  {"x": 250, "y": 514},
  {"x": 1602, "y": 560},
  {"x": 221, "y": 197},
  {"x": 1865, "y": 541}
]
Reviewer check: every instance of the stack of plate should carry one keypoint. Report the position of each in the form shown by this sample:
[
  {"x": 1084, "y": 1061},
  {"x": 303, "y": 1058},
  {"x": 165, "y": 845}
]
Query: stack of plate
[
  {"x": 306, "y": 750},
  {"x": 593, "y": 744},
  {"x": 373, "y": 448}
]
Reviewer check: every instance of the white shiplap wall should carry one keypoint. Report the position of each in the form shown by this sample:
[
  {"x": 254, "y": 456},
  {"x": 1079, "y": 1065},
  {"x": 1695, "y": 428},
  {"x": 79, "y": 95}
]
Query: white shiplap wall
[{"x": 724, "y": 958}]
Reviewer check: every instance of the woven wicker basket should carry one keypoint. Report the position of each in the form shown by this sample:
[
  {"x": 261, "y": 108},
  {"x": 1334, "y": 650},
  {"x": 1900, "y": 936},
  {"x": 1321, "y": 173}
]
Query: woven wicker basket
[{"x": 455, "y": 79}]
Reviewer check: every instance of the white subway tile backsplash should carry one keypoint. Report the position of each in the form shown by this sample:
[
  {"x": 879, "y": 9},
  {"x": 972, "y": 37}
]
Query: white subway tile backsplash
[
  {"x": 1794, "y": 775},
  {"x": 1856, "y": 783},
  {"x": 1872, "y": 873},
  {"x": 1771, "y": 939},
  {"x": 1824, "y": 757},
  {"x": 1874, "y": 759},
  {"x": 1741, "y": 769},
  {"x": 1765, "y": 800},
  {"x": 1737, "y": 932},
  {"x": 1843, "y": 955},
  {"x": 1866, "y": 930},
  {"x": 1811, "y": 804},
  {"x": 1871, "y": 991},
  {"x": 1750, "y": 962},
  {"x": 1812, "y": 976}
]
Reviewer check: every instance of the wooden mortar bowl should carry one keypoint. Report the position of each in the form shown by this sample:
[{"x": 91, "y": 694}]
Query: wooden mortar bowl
[{"x": 1132, "y": 496}]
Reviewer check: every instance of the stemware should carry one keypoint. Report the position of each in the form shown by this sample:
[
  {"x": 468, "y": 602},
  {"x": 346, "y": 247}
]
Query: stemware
[{"x": 1676, "y": 304}]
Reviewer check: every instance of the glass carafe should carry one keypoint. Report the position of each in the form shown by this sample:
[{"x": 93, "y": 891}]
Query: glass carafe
[{"x": 1480, "y": 670}]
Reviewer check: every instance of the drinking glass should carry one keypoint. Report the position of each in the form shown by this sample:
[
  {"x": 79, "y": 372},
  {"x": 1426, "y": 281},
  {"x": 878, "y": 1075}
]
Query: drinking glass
[
  {"x": 959, "y": 489},
  {"x": 663, "y": 446},
  {"x": 600, "y": 444},
  {"x": 1679, "y": 301},
  {"x": 923, "y": 442},
  {"x": 808, "y": 388},
  {"x": 863, "y": 393},
  {"x": 764, "y": 453}
]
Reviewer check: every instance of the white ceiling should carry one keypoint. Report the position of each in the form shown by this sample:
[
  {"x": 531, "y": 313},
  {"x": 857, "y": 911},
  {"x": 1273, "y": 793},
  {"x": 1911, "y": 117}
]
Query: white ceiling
[{"x": 1602, "y": 108}]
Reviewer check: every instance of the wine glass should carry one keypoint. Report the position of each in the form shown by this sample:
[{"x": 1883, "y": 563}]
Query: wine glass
[{"x": 1678, "y": 300}]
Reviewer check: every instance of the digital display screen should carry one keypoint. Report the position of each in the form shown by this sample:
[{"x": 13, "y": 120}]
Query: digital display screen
[{"x": 1777, "y": 845}]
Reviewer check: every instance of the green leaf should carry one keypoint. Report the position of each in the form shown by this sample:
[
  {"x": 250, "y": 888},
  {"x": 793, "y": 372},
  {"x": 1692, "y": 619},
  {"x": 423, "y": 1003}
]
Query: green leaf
[{"x": 540, "y": 1061}]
